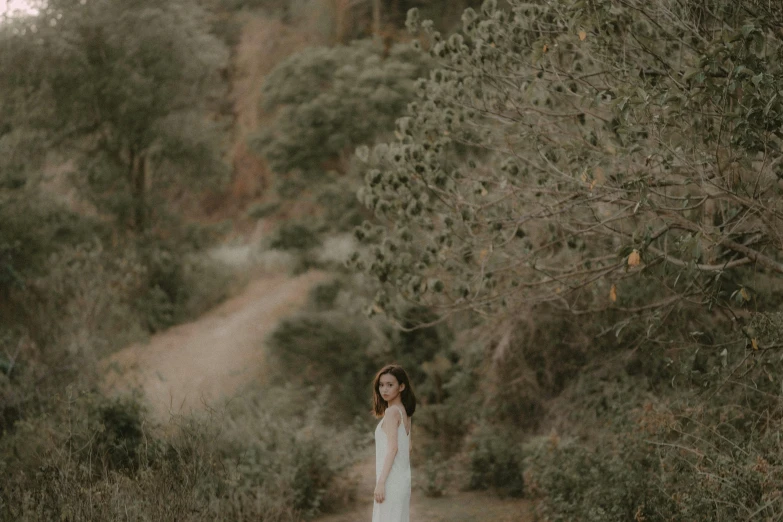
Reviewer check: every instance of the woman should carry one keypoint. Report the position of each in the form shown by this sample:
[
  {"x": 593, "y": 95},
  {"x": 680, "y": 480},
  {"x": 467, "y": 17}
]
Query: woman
[{"x": 394, "y": 403}]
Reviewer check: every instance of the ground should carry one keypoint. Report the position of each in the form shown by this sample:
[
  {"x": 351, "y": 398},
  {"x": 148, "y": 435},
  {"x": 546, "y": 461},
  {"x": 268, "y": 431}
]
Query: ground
[
  {"x": 202, "y": 362},
  {"x": 453, "y": 506},
  {"x": 457, "y": 507}
]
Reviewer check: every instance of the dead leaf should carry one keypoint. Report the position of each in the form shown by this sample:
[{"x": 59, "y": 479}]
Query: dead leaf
[
  {"x": 745, "y": 295},
  {"x": 582, "y": 35},
  {"x": 613, "y": 293},
  {"x": 754, "y": 343},
  {"x": 634, "y": 258}
]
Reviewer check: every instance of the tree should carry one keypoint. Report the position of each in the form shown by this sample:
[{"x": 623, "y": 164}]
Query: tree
[
  {"x": 121, "y": 85},
  {"x": 329, "y": 100},
  {"x": 594, "y": 156}
]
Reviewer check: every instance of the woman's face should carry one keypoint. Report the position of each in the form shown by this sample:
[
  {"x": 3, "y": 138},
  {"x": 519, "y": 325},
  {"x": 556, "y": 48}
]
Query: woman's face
[{"x": 389, "y": 387}]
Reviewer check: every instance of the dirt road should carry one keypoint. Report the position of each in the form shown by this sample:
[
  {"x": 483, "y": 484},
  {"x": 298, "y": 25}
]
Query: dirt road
[{"x": 197, "y": 364}]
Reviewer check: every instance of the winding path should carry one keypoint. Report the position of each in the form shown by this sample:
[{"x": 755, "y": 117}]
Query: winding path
[{"x": 197, "y": 364}]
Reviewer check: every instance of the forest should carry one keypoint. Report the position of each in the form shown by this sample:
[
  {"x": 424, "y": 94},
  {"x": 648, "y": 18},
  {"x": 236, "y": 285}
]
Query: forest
[{"x": 220, "y": 218}]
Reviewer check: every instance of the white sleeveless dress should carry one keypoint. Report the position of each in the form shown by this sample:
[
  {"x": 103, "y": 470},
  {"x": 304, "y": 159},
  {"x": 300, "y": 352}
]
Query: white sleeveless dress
[{"x": 396, "y": 504}]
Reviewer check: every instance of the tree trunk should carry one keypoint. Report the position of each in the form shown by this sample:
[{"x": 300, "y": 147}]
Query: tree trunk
[
  {"x": 376, "y": 18},
  {"x": 340, "y": 14},
  {"x": 138, "y": 182}
]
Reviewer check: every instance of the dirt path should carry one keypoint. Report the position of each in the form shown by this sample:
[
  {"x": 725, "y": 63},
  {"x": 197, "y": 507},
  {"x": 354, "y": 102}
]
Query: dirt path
[
  {"x": 464, "y": 506},
  {"x": 454, "y": 506},
  {"x": 196, "y": 364}
]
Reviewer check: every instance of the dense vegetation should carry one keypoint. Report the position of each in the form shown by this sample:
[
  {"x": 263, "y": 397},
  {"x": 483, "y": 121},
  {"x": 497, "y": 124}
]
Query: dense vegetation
[
  {"x": 613, "y": 167},
  {"x": 567, "y": 228}
]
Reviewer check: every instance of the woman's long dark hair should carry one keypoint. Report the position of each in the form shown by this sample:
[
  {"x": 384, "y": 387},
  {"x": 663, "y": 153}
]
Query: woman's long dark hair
[{"x": 408, "y": 397}]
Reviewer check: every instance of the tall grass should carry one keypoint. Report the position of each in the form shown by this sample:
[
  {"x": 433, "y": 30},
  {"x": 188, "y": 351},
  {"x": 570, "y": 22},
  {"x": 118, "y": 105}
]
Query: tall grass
[{"x": 102, "y": 459}]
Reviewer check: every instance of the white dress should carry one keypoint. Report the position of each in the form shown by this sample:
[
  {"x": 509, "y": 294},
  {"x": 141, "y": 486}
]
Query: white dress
[{"x": 396, "y": 504}]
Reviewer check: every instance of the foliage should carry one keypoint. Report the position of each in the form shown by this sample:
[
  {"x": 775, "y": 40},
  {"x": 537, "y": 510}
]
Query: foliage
[
  {"x": 560, "y": 155},
  {"x": 328, "y": 349},
  {"x": 591, "y": 179},
  {"x": 676, "y": 464},
  {"x": 243, "y": 466},
  {"x": 329, "y": 100},
  {"x": 496, "y": 462},
  {"x": 178, "y": 284},
  {"x": 295, "y": 236},
  {"x": 436, "y": 476},
  {"x": 89, "y": 78},
  {"x": 610, "y": 484},
  {"x": 324, "y": 295},
  {"x": 35, "y": 226},
  {"x": 341, "y": 210}
]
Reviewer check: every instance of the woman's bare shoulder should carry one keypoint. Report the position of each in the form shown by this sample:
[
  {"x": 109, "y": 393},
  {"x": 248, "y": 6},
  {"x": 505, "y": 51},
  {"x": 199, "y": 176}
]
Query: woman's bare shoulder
[{"x": 392, "y": 412}]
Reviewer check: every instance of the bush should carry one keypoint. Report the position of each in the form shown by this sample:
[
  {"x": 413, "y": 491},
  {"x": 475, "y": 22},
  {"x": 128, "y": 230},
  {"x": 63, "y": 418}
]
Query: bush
[
  {"x": 101, "y": 459},
  {"x": 179, "y": 285},
  {"x": 342, "y": 210},
  {"x": 119, "y": 441},
  {"x": 330, "y": 100},
  {"x": 34, "y": 227},
  {"x": 330, "y": 349},
  {"x": 324, "y": 295},
  {"x": 612, "y": 483},
  {"x": 667, "y": 464},
  {"x": 437, "y": 474},
  {"x": 496, "y": 462},
  {"x": 295, "y": 236}
]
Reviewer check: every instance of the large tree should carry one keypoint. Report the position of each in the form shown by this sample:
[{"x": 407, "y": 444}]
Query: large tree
[
  {"x": 594, "y": 156},
  {"x": 122, "y": 86}
]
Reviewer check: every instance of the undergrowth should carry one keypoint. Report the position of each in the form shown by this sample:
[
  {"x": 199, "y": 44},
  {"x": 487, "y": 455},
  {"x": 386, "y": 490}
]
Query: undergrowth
[{"x": 103, "y": 459}]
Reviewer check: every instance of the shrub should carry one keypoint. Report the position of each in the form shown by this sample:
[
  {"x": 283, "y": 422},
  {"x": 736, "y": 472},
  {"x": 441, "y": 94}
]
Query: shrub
[
  {"x": 329, "y": 348},
  {"x": 436, "y": 475},
  {"x": 295, "y": 236},
  {"x": 324, "y": 295},
  {"x": 330, "y": 100},
  {"x": 119, "y": 440},
  {"x": 669, "y": 463},
  {"x": 611, "y": 483},
  {"x": 342, "y": 210},
  {"x": 101, "y": 459},
  {"x": 179, "y": 285},
  {"x": 496, "y": 462}
]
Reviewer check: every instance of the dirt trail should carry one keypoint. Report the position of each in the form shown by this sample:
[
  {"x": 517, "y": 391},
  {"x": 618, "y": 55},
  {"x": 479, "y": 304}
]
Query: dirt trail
[
  {"x": 199, "y": 363},
  {"x": 464, "y": 506},
  {"x": 454, "y": 506}
]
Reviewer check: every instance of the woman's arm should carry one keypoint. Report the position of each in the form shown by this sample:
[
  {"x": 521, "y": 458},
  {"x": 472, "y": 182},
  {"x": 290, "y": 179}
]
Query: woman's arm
[{"x": 391, "y": 421}]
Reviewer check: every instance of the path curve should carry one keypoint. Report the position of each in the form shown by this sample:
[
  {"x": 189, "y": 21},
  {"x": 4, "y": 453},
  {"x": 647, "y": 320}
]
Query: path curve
[{"x": 198, "y": 364}]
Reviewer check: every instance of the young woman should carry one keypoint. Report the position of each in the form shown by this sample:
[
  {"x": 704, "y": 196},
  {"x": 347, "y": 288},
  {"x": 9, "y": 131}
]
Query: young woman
[{"x": 393, "y": 402}]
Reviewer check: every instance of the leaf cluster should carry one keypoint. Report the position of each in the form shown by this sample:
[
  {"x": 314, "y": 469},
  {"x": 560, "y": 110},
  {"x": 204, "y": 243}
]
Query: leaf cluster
[
  {"x": 589, "y": 155},
  {"x": 330, "y": 100}
]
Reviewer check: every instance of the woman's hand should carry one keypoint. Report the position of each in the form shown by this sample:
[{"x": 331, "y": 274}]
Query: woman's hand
[{"x": 380, "y": 492}]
